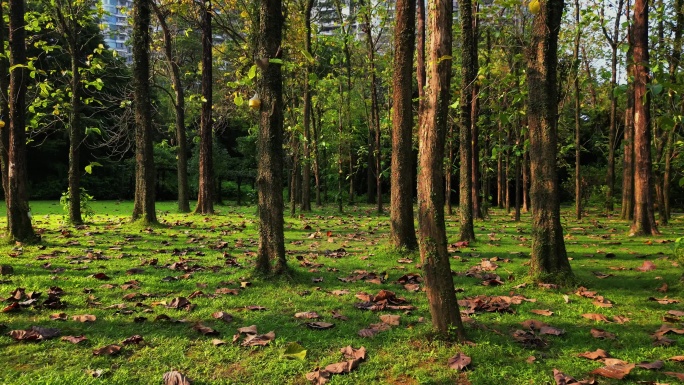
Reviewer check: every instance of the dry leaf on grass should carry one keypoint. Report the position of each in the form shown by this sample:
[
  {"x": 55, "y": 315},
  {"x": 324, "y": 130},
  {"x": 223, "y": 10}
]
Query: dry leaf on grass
[
  {"x": 175, "y": 378},
  {"x": 655, "y": 365},
  {"x": 74, "y": 339},
  {"x": 596, "y": 317},
  {"x": 600, "y": 333},
  {"x": 459, "y": 362},
  {"x": 223, "y": 316},
  {"x": 84, "y": 318},
  {"x": 109, "y": 350},
  {"x": 595, "y": 355},
  {"x": 544, "y": 312},
  {"x": 617, "y": 371}
]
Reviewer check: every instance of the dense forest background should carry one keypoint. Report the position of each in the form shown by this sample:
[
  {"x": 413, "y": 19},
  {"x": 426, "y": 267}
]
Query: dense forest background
[{"x": 346, "y": 70}]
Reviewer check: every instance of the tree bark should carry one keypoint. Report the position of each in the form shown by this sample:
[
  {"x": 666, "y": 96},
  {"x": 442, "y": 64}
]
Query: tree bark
[
  {"x": 4, "y": 108},
  {"x": 469, "y": 74},
  {"x": 144, "y": 205},
  {"x": 576, "y": 87},
  {"x": 19, "y": 227},
  {"x": 439, "y": 284},
  {"x": 270, "y": 141},
  {"x": 644, "y": 218},
  {"x": 402, "y": 229},
  {"x": 614, "y": 42},
  {"x": 306, "y": 163},
  {"x": 549, "y": 260},
  {"x": 420, "y": 57},
  {"x": 627, "y": 208},
  {"x": 179, "y": 109},
  {"x": 474, "y": 117},
  {"x": 205, "y": 195}
]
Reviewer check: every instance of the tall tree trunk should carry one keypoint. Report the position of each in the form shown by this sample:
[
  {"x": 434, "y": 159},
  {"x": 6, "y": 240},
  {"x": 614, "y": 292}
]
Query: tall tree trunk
[
  {"x": 469, "y": 74},
  {"x": 76, "y": 134},
  {"x": 340, "y": 154},
  {"x": 179, "y": 109},
  {"x": 627, "y": 209},
  {"x": 614, "y": 42},
  {"x": 474, "y": 115},
  {"x": 549, "y": 260},
  {"x": 449, "y": 169},
  {"x": 4, "y": 108},
  {"x": 294, "y": 174},
  {"x": 675, "y": 59},
  {"x": 270, "y": 140},
  {"x": 306, "y": 164},
  {"x": 420, "y": 57},
  {"x": 144, "y": 205},
  {"x": 576, "y": 86},
  {"x": 517, "y": 189},
  {"x": 402, "y": 229},
  {"x": 499, "y": 168},
  {"x": 644, "y": 218},
  {"x": 205, "y": 195},
  {"x": 439, "y": 284},
  {"x": 316, "y": 158},
  {"x": 19, "y": 226},
  {"x": 525, "y": 180}
]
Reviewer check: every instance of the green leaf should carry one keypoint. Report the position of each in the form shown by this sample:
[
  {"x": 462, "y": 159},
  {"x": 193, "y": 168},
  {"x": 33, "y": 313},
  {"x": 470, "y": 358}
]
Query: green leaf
[
  {"x": 238, "y": 100},
  {"x": 275, "y": 61},
  {"x": 656, "y": 89},
  {"x": 295, "y": 351},
  {"x": 252, "y": 72},
  {"x": 89, "y": 168},
  {"x": 307, "y": 56}
]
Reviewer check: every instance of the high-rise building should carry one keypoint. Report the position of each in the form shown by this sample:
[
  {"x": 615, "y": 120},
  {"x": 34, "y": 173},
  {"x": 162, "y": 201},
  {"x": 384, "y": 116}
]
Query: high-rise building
[{"x": 117, "y": 30}]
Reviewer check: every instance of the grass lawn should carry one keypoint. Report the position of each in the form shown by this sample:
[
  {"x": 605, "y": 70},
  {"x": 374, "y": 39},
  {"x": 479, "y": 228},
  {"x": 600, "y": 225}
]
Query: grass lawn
[{"x": 209, "y": 262}]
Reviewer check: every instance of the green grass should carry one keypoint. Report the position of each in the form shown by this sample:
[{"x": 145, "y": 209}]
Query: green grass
[{"x": 406, "y": 354}]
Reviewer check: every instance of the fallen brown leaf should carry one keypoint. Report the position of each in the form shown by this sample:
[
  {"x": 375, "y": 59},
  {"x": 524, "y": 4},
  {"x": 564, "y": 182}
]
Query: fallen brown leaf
[
  {"x": 84, "y": 318},
  {"x": 600, "y": 333},
  {"x": 617, "y": 372},
  {"x": 318, "y": 376},
  {"x": 544, "y": 312},
  {"x": 595, "y": 355},
  {"x": 109, "y": 350},
  {"x": 390, "y": 319},
  {"x": 351, "y": 353},
  {"x": 307, "y": 315},
  {"x": 74, "y": 339},
  {"x": 459, "y": 362},
  {"x": 655, "y": 365},
  {"x": 596, "y": 317},
  {"x": 223, "y": 316},
  {"x": 175, "y": 378},
  {"x": 647, "y": 266},
  {"x": 320, "y": 325},
  {"x": 679, "y": 376}
]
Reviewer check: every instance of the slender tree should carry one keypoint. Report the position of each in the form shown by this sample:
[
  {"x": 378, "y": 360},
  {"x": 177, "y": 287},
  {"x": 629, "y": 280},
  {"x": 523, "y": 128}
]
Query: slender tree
[
  {"x": 306, "y": 145},
  {"x": 576, "y": 87},
  {"x": 4, "y": 107},
  {"x": 179, "y": 109},
  {"x": 205, "y": 195},
  {"x": 644, "y": 218},
  {"x": 439, "y": 284},
  {"x": 627, "y": 208},
  {"x": 270, "y": 140},
  {"x": 549, "y": 260},
  {"x": 19, "y": 226},
  {"x": 613, "y": 40},
  {"x": 403, "y": 232},
  {"x": 144, "y": 205},
  {"x": 469, "y": 73}
]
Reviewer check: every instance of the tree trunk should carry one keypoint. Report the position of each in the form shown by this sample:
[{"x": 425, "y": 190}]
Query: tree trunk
[
  {"x": 525, "y": 181},
  {"x": 627, "y": 209},
  {"x": 499, "y": 169},
  {"x": 179, "y": 109},
  {"x": 19, "y": 228},
  {"x": 516, "y": 218},
  {"x": 469, "y": 74},
  {"x": 644, "y": 218},
  {"x": 675, "y": 60},
  {"x": 144, "y": 205},
  {"x": 439, "y": 284},
  {"x": 4, "y": 108},
  {"x": 316, "y": 158},
  {"x": 270, "y": 141},
  {"x": 306, "y": 164},
  {"x": 474, "y": 114},
  {"x": 420, "y": 57},
  {"x": 576, "y": 86},
  {"x": 549, "y": 260},
  {"x": 402, "y": 229},
  {"x": 613, "y": 40},
  {"x": 75, "y": 136},
  {"x": 205, "y": 195},
  {"x": 449, "y": 169}
]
